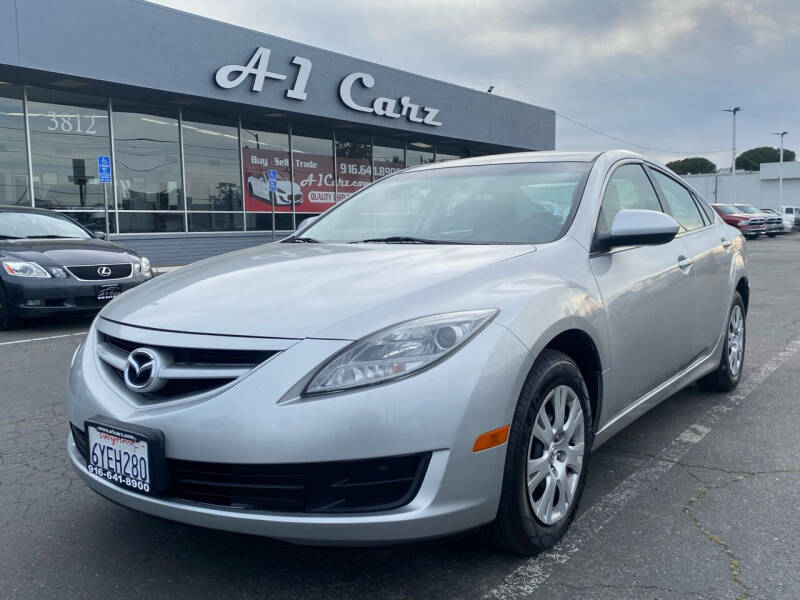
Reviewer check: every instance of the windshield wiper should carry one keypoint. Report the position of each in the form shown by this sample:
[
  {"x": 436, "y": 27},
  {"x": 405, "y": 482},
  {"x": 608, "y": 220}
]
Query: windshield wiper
[
  {"x": 3, "y": 236},
  {"x": 399, "y": 239},
  {"x": 300, "y": 240},
  {"x": 51, "y": 236}
]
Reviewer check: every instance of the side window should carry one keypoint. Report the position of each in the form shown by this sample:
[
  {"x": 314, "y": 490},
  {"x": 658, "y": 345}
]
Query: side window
[
  {"x": 705, "y": 208},
  {"x": 680, "y": 202},
  {"x": 628, "y": 187}
]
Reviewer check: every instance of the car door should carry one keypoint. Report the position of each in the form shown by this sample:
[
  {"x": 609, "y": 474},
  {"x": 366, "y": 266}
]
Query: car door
[
  {"x": 710, "y": 251},
  {"x": 647, "y": 296}
]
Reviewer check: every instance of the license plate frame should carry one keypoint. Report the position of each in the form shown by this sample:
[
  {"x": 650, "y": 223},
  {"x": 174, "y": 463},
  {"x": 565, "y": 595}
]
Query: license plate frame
[
  {"x": 108, "y": 292},
  {"x": 103, "y": 459}
]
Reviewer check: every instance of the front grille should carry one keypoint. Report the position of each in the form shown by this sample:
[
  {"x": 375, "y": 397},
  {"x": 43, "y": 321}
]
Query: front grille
[
  {"x": 193, "y": 370},
  {"x": 756, "y": 221},
  {"x": 197, "y": 356},
  {"x": 92, "y": 272},
  {"x": 326, "y": 487}
]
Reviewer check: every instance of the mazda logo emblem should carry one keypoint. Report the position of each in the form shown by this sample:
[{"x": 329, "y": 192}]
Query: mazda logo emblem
[
  {"x": 142, "y": 371},
  {"x": 104, "y": 271}
]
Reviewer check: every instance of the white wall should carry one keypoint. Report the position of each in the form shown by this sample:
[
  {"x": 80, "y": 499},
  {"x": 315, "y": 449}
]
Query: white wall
[{"x": 759, "y": 189}]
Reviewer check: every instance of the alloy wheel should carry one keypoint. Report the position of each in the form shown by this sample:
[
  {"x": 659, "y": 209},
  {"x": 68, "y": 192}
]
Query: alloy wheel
[
  {"x": 555, "y": 455},
  {"x": 735, "y": 340}
]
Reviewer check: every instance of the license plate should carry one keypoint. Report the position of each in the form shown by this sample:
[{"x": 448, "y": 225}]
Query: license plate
[{"x": 108, "y": 292}]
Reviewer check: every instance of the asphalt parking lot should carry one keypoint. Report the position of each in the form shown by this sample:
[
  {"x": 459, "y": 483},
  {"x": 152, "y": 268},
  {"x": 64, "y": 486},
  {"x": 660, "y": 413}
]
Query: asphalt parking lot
[{"x": 698, "y": 499}]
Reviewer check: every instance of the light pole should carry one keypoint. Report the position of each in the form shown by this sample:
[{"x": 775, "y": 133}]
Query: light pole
[
  {"x": 780, "y": 168},
  {"x": 733, "y": 111}
]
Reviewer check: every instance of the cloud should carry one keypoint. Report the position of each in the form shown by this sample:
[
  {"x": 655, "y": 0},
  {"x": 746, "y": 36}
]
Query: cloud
[{"x": 657, "y": 73}]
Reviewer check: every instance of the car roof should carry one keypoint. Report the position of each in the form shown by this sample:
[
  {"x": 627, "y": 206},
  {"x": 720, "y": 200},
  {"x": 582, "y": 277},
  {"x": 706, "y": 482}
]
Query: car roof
[
  {"x": 531, "y": 157},
  {"x": 26, "y": 209}
]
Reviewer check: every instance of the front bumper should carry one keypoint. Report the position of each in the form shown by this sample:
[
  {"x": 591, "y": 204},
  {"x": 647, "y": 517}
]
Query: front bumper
[
  {"x": 752, "y": 230},
  {"x": 440, "y": 411},
  {"x": 62, "y": 295}
]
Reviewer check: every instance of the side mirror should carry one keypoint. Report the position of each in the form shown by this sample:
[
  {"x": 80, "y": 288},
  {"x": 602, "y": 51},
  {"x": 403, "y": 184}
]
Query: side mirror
[
  {"x": 100, "y": 235},
  {"x": 305, "y": 225},
  {"x": 634, "y": 227}
]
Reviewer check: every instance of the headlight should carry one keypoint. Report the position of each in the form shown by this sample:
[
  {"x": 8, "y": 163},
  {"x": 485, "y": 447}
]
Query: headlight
[
  {"x": 399, "y": 351},
  {"x": 25, "y": 269},
  {"x": 143, "y": 266},
  {"x": 747, "y": 222}
]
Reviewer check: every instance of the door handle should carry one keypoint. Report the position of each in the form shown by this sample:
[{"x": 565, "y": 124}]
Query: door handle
[
  {"x": 726, "y": 243},
  {"x": 685, "y": 263}
]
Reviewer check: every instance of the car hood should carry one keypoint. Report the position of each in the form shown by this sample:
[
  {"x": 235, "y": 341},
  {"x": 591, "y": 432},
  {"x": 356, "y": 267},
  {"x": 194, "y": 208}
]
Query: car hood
[
  {"x": 62, "y": 252},
  {"x": 333, "y": 291}
]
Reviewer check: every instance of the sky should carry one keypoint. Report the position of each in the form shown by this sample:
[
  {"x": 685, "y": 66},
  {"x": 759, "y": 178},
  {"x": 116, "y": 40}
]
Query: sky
[{"x": 655, "y": 73}]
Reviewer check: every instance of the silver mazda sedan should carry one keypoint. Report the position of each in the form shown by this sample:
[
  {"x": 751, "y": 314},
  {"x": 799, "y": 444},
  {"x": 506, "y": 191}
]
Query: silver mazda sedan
[{"x": 437, "y": 354}]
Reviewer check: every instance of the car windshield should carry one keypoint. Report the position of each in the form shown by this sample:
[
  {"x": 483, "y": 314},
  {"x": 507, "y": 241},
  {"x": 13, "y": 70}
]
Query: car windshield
[
  {"x": 519, "y": 203},
  {"x": 747, "y": 209},
  {"x": 726, "y": 209},
  {"x": 38, "y": 225}
]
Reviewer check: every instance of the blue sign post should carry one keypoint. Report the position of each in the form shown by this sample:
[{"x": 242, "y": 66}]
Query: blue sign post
[
  {"x": 104, "y": 176},
  {"x": 104, "y": 169},
  {"x": 272, "y": 178}
]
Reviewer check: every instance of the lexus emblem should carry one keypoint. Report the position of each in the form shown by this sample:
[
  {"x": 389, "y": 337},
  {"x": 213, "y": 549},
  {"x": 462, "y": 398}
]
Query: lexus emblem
[
  {"x": 104, "y": 271},
  {"x": 142, "y": 371}
]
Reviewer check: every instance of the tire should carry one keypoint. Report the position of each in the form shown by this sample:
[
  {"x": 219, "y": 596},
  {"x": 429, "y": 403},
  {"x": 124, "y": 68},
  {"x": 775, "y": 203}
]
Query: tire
[
  {"x": 7, "y": 319},
  {"x": 517, "y": 527},
  {"x": 727, "y": 375},
  {"x": 771, "y": 234}
]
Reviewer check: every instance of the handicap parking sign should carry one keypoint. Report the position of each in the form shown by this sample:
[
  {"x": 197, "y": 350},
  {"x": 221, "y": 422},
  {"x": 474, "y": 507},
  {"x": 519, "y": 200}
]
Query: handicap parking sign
[
  {"x": 272, "y": 177},
  {"x": 104, "y": 168}
]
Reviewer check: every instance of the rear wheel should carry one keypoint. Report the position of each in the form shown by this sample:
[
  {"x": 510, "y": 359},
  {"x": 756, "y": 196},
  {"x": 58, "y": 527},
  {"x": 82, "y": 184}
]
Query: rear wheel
[
  {"x": 729, "y": 372},
  {"x": 7, "y": 319},
  {"x": 546, "y": 458}
]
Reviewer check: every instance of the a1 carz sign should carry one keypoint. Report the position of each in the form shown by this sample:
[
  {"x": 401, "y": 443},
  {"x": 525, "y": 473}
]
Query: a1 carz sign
[{"x": 230, "y": 76}]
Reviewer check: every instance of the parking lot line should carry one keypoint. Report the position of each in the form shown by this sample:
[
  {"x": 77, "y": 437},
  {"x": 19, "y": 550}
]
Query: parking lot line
[
  {"x": 41, "y": 339},
  {"x": 527, "y": 578}
]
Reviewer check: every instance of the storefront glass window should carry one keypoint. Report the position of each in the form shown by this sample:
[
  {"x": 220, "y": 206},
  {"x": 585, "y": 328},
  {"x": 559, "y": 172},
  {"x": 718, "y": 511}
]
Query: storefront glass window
[
  {"x": 419, "y": 153},
  {"x": 68, "y": 132},
  {"x": 445, "y": 152},
  {"x": 312, "y": 153},
  {"x": 146, "y": 157},
  {"x": 267, "y": 174},
  {"x": 95, "y": 220},
  {"x": 388, "y": 157},
  {"x": 136, "y": 222},
  {"x": 13, "y": 156},
  {"x": 353, "y": 163},
  {"x": 211, "y": 157},
  {"x": 215, "y": 221}
]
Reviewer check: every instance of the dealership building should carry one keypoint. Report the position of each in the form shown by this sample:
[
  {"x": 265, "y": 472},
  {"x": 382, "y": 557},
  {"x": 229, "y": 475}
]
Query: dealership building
[{"x": 219, "y": 137}]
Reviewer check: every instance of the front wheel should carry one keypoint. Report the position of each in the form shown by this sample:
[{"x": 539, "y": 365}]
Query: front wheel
[
  {"x": 771, "y": 234},
  {"x": 546, "y": 458},
  {"x": 729, "y": 372}
]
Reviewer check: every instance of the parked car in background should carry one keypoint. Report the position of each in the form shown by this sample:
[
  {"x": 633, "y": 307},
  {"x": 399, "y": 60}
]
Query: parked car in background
[
  {"x": 787, "y": 221},
  {"x": 49, "y": 264},
  {"x": 791, "y": 210},
  {"x": 750, "y": 226},
  {"x": 772, "y": 223},
  {"x": 444, "y": 367}
]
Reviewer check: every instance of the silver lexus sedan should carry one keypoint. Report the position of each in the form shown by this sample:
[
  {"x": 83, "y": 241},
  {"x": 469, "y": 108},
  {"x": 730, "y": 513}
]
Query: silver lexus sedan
[{"x": 437, "y": 354}]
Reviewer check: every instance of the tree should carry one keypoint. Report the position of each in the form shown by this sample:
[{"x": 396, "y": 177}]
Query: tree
[
  {"x": 693, "y": 164},
  {"x": 751, "y": 160}
]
